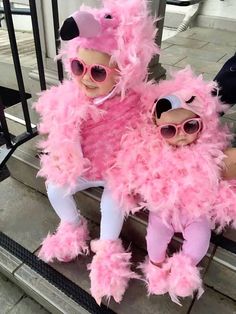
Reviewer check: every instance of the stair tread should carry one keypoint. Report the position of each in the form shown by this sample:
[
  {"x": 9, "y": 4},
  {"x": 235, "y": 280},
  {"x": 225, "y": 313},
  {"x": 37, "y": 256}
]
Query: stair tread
[{"x": 29, "y": 221}]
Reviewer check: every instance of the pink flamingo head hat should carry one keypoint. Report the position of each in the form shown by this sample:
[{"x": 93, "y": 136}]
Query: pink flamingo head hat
[
  {"x": 191, "y": 92},
  {"x": 123, "y": 29}
]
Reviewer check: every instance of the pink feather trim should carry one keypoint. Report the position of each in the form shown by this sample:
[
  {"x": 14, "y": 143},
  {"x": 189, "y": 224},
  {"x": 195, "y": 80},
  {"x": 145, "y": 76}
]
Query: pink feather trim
[
  {"x": 156, "y": 277},
  {"x": 67, "y": 243},
  {"x": 184, "y": 277},
  {"x": 110, "y": 270}
]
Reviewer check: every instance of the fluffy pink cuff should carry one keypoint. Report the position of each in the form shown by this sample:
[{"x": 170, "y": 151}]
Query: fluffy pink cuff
[
  {"x": 67, "y": 243},
  {"x": 110, "y": 270},
  {"x": 184, "y": 278},
  {"x": 156, "y": 277}
]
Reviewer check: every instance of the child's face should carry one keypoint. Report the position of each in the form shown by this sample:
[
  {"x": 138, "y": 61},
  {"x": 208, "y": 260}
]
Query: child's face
[
  {"x": 178, "y": 116},
  {"x": 90, "y": 87}
]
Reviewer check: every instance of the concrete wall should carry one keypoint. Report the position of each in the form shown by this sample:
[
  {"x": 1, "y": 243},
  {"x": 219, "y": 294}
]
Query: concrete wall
[
  {"x": 212, "y": 13},
  {"x": 223, "y": 9},
  {"x": 65, "y": 9}
]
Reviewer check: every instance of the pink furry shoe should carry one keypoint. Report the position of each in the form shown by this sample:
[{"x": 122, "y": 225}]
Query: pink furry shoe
[
  {"x": 156, "y": 277},
  {"x": 68, "y": 242},
  {"x": 110, "y": 270},
  {"x": 184, "y": 278}
]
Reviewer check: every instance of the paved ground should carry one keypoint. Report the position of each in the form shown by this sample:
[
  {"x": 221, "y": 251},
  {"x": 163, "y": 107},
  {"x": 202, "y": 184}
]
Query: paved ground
[
  {"x": 14, "y": 301},
  {"x": 205, "y": 49}
]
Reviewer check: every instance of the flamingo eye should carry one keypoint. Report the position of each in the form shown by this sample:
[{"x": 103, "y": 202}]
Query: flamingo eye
[
  {"x": 190, "y": 100},
  {"x": 108, "y": 16}
]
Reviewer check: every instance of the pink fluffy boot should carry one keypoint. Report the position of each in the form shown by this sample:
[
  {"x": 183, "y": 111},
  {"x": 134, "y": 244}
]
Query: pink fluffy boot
[
  {"x": 156, "y": 277},
  {"x": 184, "y": 278},
  {"x": 110, "y": 270},
  {"x": 67, "y": 243}
]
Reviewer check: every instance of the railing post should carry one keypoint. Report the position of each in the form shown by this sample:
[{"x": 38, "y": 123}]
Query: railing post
[
  {"x": 16, "y": 60},
  {"x": 3, "y": 125},
  {"x": 56, "y": 37},
  {"x": 37, "y": 42},
  {"x": 158, "y": 10},
  {"x": 11, "y": 144}
]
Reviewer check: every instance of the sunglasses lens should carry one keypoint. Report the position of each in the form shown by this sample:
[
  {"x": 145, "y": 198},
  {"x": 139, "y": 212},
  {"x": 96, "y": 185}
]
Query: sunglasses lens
[
  {"x": 98, "y": 73},
  {"x": 191, "y": 126},
  {"x": 168, "y": 131},
  {"x": 77, "y": 67}
]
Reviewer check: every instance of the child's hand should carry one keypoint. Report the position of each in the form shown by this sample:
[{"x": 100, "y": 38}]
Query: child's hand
[{"x": 229, "y": 172}]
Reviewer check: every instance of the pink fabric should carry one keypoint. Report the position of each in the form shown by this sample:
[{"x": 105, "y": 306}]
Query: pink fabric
[
  {"x": 196, "y": 238},
  {"x": 100, "y": 142},
  {"x": 158, "y": 237},
  {"x": 88, "y": 26}
]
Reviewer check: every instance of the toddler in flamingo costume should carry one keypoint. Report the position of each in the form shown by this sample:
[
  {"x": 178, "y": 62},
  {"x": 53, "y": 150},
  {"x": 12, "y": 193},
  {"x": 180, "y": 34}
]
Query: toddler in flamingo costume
[
  {"x": 173, "y": 167},
  {"x": 106, "y": 53}
]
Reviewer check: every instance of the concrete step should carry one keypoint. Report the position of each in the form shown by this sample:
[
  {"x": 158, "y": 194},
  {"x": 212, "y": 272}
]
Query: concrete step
[
  {"x": 27, "y": 223},
  {"x": 14, "y": 300},
  {"x": 26, "y": 217}
]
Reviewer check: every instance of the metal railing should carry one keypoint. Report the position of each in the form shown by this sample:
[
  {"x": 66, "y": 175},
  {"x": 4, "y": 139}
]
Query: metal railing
[
  {"x": 182, "y": 3},
  {"x": 17, "y": 11},
  {"x": 12, "y": 142}
]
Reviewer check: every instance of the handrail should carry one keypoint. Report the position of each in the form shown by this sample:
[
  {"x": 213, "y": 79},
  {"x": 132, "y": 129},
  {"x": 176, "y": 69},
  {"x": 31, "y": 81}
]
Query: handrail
[
  {"x": 56, "y": 37},
  {"x": 182, "y": 3},
  {"x": 17, "y": 11},
  {"x": 12, "y": 142}
]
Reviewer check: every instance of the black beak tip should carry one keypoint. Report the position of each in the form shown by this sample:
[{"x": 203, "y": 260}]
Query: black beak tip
[
  {"x": 69, "y": 29},
  {"x": 162, "y": 105}
]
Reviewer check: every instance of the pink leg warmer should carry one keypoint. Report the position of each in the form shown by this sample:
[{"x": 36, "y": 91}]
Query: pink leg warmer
[
  {"x": 67, "y": 243},
  {"x": 184, "y": 277},
  {"x": 156, "y": 277},
  {"x": 110, "y": 270}
]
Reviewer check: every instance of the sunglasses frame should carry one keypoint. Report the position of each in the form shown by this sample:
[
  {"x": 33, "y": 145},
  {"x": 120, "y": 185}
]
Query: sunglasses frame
[
  {"x": 181, "y": 126},
  {"x": 88, "y": 68}
]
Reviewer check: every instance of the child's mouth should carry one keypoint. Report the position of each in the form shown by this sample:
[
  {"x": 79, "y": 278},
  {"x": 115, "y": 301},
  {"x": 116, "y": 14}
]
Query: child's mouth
[{"x": 89, "y": 87}]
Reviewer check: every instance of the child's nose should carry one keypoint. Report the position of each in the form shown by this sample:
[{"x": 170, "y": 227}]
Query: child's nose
[
  {"x": 180, "y": 132},
  {"x": 86, "y": 76}
]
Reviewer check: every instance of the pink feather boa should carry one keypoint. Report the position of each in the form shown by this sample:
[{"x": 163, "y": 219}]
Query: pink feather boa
[{"x": 82, "y": 138}]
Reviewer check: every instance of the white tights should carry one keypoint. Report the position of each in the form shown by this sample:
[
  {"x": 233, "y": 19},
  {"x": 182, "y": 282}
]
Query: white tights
[{"x": 64, "y": 205}]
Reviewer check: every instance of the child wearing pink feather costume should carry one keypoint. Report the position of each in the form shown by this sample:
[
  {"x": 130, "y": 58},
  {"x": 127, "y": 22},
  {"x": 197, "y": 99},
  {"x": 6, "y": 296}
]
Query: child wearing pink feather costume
[
  {"x": 173, "y": 166},
  {"x": 107, "y": 52}
]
